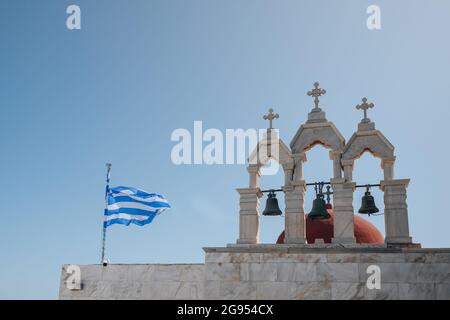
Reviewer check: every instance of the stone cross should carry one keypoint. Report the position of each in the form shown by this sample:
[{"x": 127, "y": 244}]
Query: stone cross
[
  {"x": 365, "y": 106},
  {"x": 316, "y": 93},
  {"x": 271, "y": 116}
]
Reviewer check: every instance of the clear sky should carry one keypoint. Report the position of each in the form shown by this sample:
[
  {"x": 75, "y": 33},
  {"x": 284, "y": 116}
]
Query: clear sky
[{"x": 114, "y": 91}]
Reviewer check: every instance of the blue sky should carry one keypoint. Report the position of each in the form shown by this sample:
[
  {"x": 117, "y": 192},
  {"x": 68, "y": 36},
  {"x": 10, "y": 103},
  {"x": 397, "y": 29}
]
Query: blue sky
[{"x": 114, "y": 91}]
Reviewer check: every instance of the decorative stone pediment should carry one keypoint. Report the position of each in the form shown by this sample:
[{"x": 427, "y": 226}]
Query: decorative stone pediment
[
  {"x": 270, "y": 147},
  {"x": 373, "y": 141},
  {"x": 367, "y": 138},
  {"x": 317, "y": 129},
  {"x": 310, "y": 134}
]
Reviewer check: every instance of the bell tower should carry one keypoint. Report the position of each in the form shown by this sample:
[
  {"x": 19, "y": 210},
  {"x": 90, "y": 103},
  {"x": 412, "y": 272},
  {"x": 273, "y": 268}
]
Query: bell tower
[
  {"x": 368, "y": 139},
  {"x": 318, "y": 130},
  {"x": 269, "y": 147}
]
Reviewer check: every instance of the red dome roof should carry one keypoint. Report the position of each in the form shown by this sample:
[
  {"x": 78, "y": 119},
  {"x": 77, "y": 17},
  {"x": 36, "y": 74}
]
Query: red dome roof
[{"x": 365, "y": 232}]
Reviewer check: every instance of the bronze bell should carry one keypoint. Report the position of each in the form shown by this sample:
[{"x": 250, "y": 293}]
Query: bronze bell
[
  {"x": 319, "y": 210},
  {"x": 272, "y": 208},
  {"x": 368, "y": 204}
]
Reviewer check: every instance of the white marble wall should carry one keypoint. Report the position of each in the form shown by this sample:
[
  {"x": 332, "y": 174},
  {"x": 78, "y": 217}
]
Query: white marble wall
[
  {"x": 137, "y": 281},
  {"x": 412, "y": 275},
  {"x": 268, "y": 273}
]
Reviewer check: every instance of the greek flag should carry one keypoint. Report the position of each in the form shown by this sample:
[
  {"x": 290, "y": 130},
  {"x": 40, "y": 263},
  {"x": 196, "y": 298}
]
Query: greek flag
[{"x": 127, "y": 205}]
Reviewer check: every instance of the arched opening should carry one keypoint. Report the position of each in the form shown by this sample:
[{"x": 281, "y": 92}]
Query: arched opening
[
  {"x": 270, "y": 226},
  {"x": 367, "y": 170},
  {"x": 318, "y": 167}
]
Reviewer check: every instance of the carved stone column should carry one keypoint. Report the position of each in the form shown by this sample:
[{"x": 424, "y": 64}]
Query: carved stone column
[
  {"x": 337, "y": 169},
  {"x": 294, "y": 231},
  {"x": 288, "y": 169},
  {"x": 299, "y": 158},
  {"x": 343, "y": 225},
  {"x": 249, "y": 215},
  {"x": 348, "y": 169},
  {"x": 396, "y": 211},
  {"x": 388, "y": 168},
  {"x": 254, "y": 175}
]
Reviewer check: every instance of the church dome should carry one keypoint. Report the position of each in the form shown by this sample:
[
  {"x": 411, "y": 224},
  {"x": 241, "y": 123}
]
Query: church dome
[{"x": 365, "y": 231}]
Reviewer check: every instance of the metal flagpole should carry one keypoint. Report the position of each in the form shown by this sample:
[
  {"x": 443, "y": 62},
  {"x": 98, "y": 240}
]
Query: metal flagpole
[{"x": 103, "y": 261}]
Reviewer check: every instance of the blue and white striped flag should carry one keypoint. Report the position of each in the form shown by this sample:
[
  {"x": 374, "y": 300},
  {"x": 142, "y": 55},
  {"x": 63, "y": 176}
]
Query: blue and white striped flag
[{"x": 130, "y": 205}]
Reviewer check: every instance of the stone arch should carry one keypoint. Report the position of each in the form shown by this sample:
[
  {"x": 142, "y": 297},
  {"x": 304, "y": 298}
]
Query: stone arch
[
  {"x": 368, "y": 141},
  {"x": 312, "y": 133},
  {"x": 270, "y": 147}
]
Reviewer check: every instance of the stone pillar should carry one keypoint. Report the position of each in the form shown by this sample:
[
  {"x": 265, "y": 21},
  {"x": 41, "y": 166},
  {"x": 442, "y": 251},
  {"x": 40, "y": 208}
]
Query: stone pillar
[
  {"x": 254, "y": 175},
  {"x": 288, "y": 169},
  {"x": 348, "y": 169},
  {"x": 337, "y": 169},
  {"x": 396, "y": 211},
  {"x": 294, "y": 231},
  {"x": 249, "y": 215},
  {"x": 343, "y": 225},
  {"x": 388, "y": 167},
  {"x": 299, "y": 158}
]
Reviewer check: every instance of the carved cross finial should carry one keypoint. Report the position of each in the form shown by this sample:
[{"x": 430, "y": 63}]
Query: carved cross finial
[
  {"x": 365, "y": 106},
  {"x": 271, "y": 116},
  {"x": 316, "y": 93}
]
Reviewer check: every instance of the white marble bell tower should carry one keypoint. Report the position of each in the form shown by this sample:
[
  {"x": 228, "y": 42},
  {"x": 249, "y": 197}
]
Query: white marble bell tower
[
  {"x": 368, "y": 138},
  {"x": 318, "y": 130}
]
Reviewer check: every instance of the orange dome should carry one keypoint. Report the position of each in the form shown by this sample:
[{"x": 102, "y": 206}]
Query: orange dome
[{"x": 365, "y": 232}]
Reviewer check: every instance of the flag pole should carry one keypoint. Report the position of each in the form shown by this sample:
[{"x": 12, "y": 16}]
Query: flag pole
[{"x": 108, "y": 169}]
